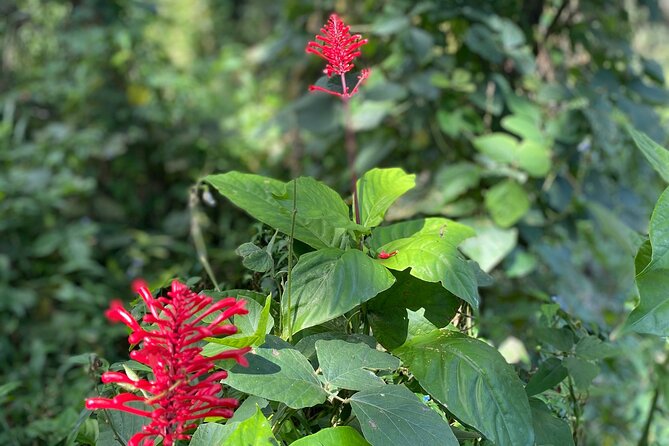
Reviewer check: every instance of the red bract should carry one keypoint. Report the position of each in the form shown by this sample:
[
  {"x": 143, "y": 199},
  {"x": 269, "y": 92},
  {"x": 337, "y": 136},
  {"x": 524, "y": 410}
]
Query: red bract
[
  {"x": 183, "y": 389},
  {"x": 339, "y": 48}
]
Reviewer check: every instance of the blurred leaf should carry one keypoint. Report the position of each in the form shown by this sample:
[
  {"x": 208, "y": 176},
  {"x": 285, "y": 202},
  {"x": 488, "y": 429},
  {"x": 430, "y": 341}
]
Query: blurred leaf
[
  {"x": 490, "y": 245},
  {"x": 507, "y": 203},
  {"x": 551, "y": 372},
  {"x": 593, "y": 348},
  {"x": 657, "y": 156},
  {"x": 456, "y": 179}
]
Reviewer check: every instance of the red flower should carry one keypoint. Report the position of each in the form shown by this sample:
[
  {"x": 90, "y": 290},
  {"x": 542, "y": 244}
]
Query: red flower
[
  {"x": 386, "y": 255},
  {"x": 339, "y": 48},
  {"x": 182, "y": 389}
]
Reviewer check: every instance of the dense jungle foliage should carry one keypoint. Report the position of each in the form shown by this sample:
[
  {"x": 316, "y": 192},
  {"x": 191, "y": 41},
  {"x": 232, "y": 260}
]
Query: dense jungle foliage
[{"x": 530, "y": 121}]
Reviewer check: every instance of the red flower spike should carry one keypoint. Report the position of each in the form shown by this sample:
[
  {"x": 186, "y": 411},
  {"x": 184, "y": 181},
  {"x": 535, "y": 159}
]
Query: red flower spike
[
  {"x": 182, "y": 389},
  {"x": 339, "y": 48}
]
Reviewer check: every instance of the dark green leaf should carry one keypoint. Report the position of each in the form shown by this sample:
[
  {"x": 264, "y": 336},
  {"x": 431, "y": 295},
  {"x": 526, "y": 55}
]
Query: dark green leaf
[
  {"x": 328, "y": 283},
  {"x": 474, "y": 382},
  {"x": 551, "y": 373},
  {"x": 581, "y": 371},
  {"x": 322, "y": 216},
  {"x": 350, "y": 366},
  {"x": 387, "y": 311},
  {"x": 278, "y": 374},
  {"x": 549, "y": 430},
  {"x": 254, "y": 258},
  {"x": 393, "y": 415}
]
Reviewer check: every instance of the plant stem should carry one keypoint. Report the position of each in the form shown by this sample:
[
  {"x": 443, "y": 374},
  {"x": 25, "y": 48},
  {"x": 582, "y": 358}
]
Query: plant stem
[
  {"x": 196, "y": 235},
  {"x": 289, "y": 285},
  {"x": 351, "y": 152},
  {"x": 643, "y": 441}
]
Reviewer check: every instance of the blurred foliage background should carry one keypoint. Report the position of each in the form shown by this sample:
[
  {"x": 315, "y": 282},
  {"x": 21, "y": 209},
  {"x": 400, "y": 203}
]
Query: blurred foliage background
[{"x": 512, "y": 112}]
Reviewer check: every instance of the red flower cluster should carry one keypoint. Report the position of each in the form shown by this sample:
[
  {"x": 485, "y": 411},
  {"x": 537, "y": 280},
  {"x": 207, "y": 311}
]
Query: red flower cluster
[
  {"x": 182, "y": 390},
  {"x": 339, "y": 48}
]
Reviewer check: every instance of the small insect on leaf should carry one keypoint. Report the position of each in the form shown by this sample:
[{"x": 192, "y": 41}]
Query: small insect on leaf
[{"x": 386, "y": 255}]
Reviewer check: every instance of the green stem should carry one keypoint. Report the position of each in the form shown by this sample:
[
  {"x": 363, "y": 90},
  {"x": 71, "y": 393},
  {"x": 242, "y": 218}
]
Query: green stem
[
  {"x": 351, "y": 152},
  {"x": 289, "y": 285},
  {"x": 643, "y": 441},
  {"x": 196, "y": 235}
]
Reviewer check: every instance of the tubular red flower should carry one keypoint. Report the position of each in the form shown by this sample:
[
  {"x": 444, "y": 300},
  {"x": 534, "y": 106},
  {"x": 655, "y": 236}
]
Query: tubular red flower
[
  {"x": 182, "y": 389},
  {"x": 339, "y": 48}
]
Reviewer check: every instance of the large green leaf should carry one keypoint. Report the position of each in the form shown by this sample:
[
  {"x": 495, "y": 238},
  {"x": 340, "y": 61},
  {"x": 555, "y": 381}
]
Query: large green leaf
[
  {"x": 329, "y": 282},
  {"x": 377, "y": 191},
  {"x": 429, "y": 248},
  {"x": 657, "y": 156},
  {"x": 549, "y": 430},
  {"x": 507, "y": 203},
  {"x": 387, "y": 312},
  {"x": 474, "y": 382},
  {"x": 333, "y": 436},
  {"x": 278, "y": 374},
  {"x": 254, "y": 431},
  {"x": 393, "y": 415},
  {"x": 347, "y": 365},
  {"x": 652, "y": 276},
  {"x": 322, "y": 216},
  {"x": 125, "y": 425}
]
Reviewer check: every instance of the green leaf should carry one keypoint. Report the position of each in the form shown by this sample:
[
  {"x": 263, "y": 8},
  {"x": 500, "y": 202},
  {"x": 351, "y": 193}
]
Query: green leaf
[
  {"x": 530, "y": 155},
  {"x": 212, "y": 434},
  {"x": 560, "y": 338},
  {"x": 255, "y": 258},
  {"x": 322, "y": 216},
  {"x": 346, "y": 365},
  {"x": 125, "y": 425},
  {"x": 657, "y": 156},
  {"x": 551, "y": 373},
  {"x": 490, "y": 245},
  {"x": 523, "y": 126},
  {"x": 549, "y": 430},
  {"x": 474, "y": 382},
  {"x": 387, "y": 312},
  {"x": 329, "y": 282},
  {"x": 255, "y": 431},
  {"x": 377, "y": 191},
  {"x": 591, "y": 347},
  {"x": 581, "y": 371},
  {"x": 652, "y": 276},
  {"x": 507, "y": 203},
  {"x": 252, "y": 328},
  {"x": 248, "y": 408},
  {"x": 429, "y": 248},
  {"x": 454, "y": 180},
  {"x": 278, "y": 374},
  {"x": 333, "y": 436},
  {"x": 393, "y": 415}
]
